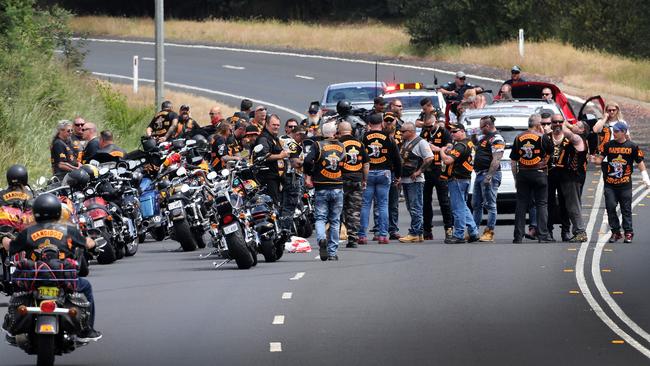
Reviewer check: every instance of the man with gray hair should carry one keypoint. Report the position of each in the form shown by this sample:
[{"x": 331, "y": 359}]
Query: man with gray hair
[
  {"x": 323, "y": 170},
  {"x": 62, "y": 156},
  {"x": 416, "y": 157},
  {"x": 530, "y": 153}
]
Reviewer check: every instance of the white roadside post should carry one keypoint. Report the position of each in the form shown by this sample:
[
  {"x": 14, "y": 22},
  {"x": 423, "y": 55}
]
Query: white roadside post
[
  {"x": 135, "y": 74},
  {"x": 521, "y": 42}
]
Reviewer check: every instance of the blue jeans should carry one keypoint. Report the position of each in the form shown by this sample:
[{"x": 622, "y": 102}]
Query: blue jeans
[
  {"x": 485, "y": 197},
  {"x": 414, "y": 199},
  {"x": 328, "y": 206},
  {"x": 458, "y": 191},
  {"x": 393, "y": 210},
  {"x": 377, "y": 188},
  {"x": 84, "y": 287}
]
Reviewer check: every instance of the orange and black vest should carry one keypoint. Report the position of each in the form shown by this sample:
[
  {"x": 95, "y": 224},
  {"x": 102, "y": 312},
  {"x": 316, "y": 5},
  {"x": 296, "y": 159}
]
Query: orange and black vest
[
  {"x": 328, "y": 167},
  {"x": 484, "y": 147},
  {"x": 377, "y": 143},
  {"x": 184, "y": 128},
  {"x": 410, "y": 161},
  {"x": 44, "y": 234},
  {"x": 353, "y": 167},
  {"x": 14, "y": 196},
  {"x": 529, "y": 148},
  {"x": 77, "y": 144},
  {"x": 604, "y": 136},
  {"x": 161, "y": 123},
  {"x": 462, "y": 167}
]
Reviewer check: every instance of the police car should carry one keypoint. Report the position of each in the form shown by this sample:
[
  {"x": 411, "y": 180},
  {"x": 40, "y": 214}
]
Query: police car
[
  {"x": 410, "y": 94},
  {"x": 511, "y": 118}
]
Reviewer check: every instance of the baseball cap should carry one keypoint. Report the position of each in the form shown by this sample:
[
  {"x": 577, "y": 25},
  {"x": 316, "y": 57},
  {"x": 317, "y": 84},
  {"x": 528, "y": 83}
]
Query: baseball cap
[
  {"x": 515, "y": 69},
  {"x": 185, "y": 107},
  {"x": 252, "y": 130},
  {"x": 461, "y": 75},
  {"x": 314, "y": 107},
  {"x": 546, "y": 113},
  {"x": 299, "y": 129},
  {"x": 620, "y": 126},
  {"x": 456, "y": 126},
  {"x": 389, "y": 117}
]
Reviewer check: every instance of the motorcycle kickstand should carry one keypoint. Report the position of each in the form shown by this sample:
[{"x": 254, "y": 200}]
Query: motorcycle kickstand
[
  {"x": 217, "y": 265},
  {"x": 204, "y": 256}
]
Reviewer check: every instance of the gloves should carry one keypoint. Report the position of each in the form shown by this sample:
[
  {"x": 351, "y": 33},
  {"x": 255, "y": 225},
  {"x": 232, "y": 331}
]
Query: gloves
[{"x": 646, "y": 179}]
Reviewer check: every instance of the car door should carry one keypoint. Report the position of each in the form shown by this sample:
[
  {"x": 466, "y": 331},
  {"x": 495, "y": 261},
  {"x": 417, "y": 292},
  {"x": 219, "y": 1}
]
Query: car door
[{"x": 592, "y": 110}]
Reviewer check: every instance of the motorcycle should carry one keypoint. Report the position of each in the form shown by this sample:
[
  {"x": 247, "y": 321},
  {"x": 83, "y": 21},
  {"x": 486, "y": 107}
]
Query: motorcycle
[
  {"x": 12, "y": 221},
  {"x": 153, "y": 220},
  {"x": 303, "y": 218}
]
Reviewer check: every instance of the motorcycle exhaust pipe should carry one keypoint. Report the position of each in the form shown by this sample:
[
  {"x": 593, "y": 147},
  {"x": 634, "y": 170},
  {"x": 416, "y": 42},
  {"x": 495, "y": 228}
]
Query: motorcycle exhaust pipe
[{"x": 145, "y": 224}]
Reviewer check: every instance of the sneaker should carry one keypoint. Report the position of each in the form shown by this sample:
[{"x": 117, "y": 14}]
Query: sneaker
[
  {"x": 375, "y": 237},
  {"x": 548, "y": 239},
  {"x": 454, "y": 240},
  {"x": 628, "y": 237},
  {"x": 351, "y": 244},
  {"x": 472, "y": 238},
  {"x": 333, "y": 258},
  {"x": 488, "y": 235},
  {"x": 394, "y": 236},
  {"x": 89, "y": 335},
  {"x": 322, "y": 249},
  {"x": 382, "y": 240},
  {"x": 363, "y": 240},
  {"x": 420, "y": 238},
  {"x": 616, "y": 236},
  {"x": 427, "y": 235},
  {"x": 579, "y": 238},
  {"x": 449, "y": 233},
  {"x": 531, "y": 234},
  {"x": 566, "y": 237},
  {"x": 411, "y": 239}
]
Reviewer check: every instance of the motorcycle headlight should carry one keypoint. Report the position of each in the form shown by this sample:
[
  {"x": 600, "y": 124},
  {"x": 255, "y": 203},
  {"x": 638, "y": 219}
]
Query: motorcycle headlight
[{"x": 185, "y": 188}]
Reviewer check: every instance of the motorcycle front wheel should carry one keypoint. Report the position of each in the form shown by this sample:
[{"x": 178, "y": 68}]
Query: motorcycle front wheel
[
  {"x": 183, "y": 235},
  {"x": 238, "y": 251}
]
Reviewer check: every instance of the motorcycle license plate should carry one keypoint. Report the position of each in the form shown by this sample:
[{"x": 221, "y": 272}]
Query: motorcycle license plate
[
  {"x": 175, "y": 204},
  {"x": 48, "y": 291},
  {"x": 230, "y": 229},
  {"x": 98, "y": 223}
]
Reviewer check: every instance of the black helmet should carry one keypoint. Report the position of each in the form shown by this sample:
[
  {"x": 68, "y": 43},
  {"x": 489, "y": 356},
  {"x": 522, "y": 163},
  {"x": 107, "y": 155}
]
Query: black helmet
[
  {"x": 93, "y": 171},
  {"x": 77, "y": 179},
  {"x": 166, "y": 105},
  {"x": 178, "y": 144},
  {"x": 46, "y": 208},
  {"x": 149, "y": 145},
  {"x": 17, "y": 174},
  {"x": 185, "y": 107},
  {"x": 343, "y": 107},
  {"x": 201, "y": 141}
]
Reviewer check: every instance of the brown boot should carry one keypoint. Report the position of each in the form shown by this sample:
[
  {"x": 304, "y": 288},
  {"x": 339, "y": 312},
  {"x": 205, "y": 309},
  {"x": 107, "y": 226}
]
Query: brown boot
[
  {"x": 343, "y": 233},
  {"x": 488, "y": 235}
]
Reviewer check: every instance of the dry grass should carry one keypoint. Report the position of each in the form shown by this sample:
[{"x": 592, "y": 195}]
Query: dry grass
[
  {"x": 199, "y": 106},
  {"x": 586, "y": 72}
]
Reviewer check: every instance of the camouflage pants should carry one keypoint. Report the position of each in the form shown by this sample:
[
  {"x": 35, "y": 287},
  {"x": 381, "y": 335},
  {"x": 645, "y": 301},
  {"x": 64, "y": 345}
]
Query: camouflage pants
[{"x": 352, "y": 201}]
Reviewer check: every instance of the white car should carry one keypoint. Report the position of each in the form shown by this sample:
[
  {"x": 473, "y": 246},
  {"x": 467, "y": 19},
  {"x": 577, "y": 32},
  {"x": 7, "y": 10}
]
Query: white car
[
  {"x": 511, "y": 118},
  {"x": 410, "y": 96},
  {"x": 359, "y": 93}
]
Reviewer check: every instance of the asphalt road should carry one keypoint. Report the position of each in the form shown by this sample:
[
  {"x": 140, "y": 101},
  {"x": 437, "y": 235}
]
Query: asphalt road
[{"x": 431, "y": 303}]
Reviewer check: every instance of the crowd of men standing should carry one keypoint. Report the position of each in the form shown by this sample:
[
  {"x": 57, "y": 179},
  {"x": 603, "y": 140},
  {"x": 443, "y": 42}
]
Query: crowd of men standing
[{"x": 359, "y": 165}]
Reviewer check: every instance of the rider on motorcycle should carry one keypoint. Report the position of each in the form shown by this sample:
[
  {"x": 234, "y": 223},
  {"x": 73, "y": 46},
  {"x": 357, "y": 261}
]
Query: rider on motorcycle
[
  {"x": 47, "y": 230},
  {"x": 18, "y": 192}
]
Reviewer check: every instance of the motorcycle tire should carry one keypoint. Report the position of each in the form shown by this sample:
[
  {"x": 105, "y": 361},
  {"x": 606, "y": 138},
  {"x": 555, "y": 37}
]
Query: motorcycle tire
[
  {"x": 279, "y": 250},
  {"x": 131, "y": 248},
  {"x": 159, "y": 233},
  {"x": 253, "y": 254},
  {"x": 268, "y": 251},
  {"x": 183, "y": 235},
  {"x": 46, "y": 348},
  {"x": 107, "y": 256},
  {"x": 238, "y": 251},
  {"x": 142, "y": 237},
  {"x": 119, "y": 251},
  {"x": 198, "y": 238}
]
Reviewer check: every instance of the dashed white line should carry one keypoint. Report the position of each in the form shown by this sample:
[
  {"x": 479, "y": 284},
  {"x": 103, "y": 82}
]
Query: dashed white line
[
  {"x": 275, "y": 347},
  {"x": 278, "y": 320},
  {"x": 298, "y": 276},
  {"x": 287, "y": 295},
  {"x": 305, "y": 77},
  {"x": 148, "y": 59},
  {"x": 233, "y": 67}
]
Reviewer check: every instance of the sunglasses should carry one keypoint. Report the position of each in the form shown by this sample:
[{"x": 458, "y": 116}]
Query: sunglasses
[
  {"x": 546, "y": 123},
  {"x": 546, "y": 94},
  {"x": 260, "y": 109},
  {"x": 212, "y": 114},
  {"x": 292, "y": 126},
  {"x": 556, "y": 122},
  {"x": 85, "y": 129},
  {"x": 67, "y": 130},
  {"x": 398, "y": 105},
  {"x": 79, "y": 124},
  {"x": 612, "y": 110}
]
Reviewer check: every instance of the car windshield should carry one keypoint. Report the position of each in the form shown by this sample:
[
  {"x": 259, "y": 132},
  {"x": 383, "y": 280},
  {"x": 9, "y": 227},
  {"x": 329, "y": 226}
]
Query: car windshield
[
  {"x": 509, "y": 133},
  {"x": 412, "y": 102},
  {"x": 353, "y": 94}
]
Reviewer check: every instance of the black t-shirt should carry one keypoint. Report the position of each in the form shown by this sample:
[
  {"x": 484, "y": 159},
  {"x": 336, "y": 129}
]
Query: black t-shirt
[
  {"x": 462, "y": 166},
  {"x": 219, "y": 150},
  {"x": 486, "y": 147},
  {"x": 438, "y": 136},
  {"x": 29, "y": 239},
  {"x": 270, "y": 144},
  {"x": 617, "y": 172},
  {"x": 61, "y": 152},
  {"x": 510, "y": 81},
  {"x": 91, "y": 149},
  {"x": 460, "y": 91},
  {"x": 383, "y": 153}
]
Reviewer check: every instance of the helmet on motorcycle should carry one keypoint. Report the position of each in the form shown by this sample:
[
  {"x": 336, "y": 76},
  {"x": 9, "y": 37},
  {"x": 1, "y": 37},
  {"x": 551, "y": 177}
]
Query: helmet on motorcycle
[
  {"x": 93, "y": 171},
  {"x": 343, "y": 107},
  {"x": 77, "y": 179},
  {"x": 47, "y": 208},
  {"x": 149, "y": 145},
  {"x": 166, "y": 105},
  {"x": 17, "y": 174},
  {"x": 178, "y": 144},
  {"x": 201, "y": 143}
]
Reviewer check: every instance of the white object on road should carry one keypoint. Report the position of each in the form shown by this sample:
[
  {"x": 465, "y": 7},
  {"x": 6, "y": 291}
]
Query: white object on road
[
  {"x": 233, "y": 67},
  {"x": 278, "y": 320},
  {"x": 275, "y": 347},
  {"x": 298, "y": 276},
  {"x": 135, "y": 74},
  {"x": 521, "y": 42},
  {"x": 297, "y": 245},
  {"x": 305, "y": 77},
  {"x": 287, "y": 295}
]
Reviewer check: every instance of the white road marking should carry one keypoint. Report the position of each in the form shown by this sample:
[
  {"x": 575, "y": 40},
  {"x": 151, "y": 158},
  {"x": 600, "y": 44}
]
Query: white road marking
[
  {"x": 305, "y": 77},
  {"x": 287, "y": 295},
  {"x": 148, "y": 59},
  {"x": 278, "y": 320},
  {"x": 233, "y": 67},
  {"x": 275, "y": 347},
  {"x": 210, "y": 91},
  {"x": 298, "y": 276},
  {"x": 294, "y": 54},
  {"x": 582, "y": 282}
]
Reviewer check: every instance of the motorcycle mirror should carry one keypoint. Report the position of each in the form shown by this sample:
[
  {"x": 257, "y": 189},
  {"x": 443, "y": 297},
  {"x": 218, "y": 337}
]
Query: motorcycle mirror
[
  {"x": 41, "y": 181},
  {"x": 190, "y": 142},
  {"x": 94, "y": 163},
  {"x": 89, "y": 192},
  {"x": 103, "y": 170},
  {"x": 185, "y": 188},
  {"x": 258, "y": 148},
  {"x": 132, "y": 164},
  {"x": 121, "y": 170},
  {"x": 181, "y": 171},
  {"x": 212, "y": 175},
  {"x": 225, "y": 173}
]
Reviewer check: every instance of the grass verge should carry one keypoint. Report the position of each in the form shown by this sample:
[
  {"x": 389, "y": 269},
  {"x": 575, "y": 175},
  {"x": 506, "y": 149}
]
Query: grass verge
[{"x": 589, "y": 72}]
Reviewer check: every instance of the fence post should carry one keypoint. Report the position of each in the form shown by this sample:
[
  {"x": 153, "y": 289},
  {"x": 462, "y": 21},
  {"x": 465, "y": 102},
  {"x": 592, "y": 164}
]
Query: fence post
[
  {"x": 135, "y": 74},
  {"x": 521, "y": 42}
]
